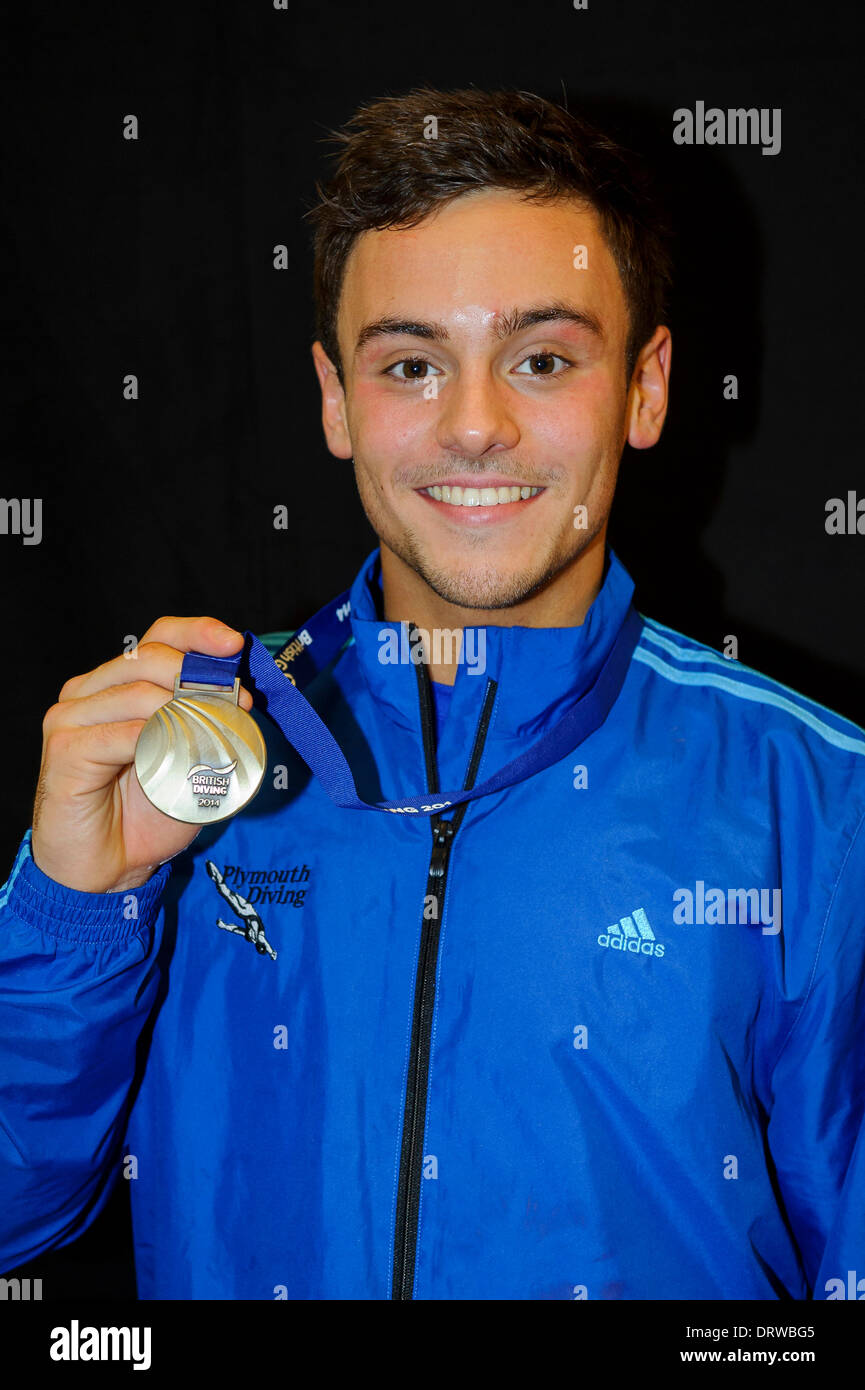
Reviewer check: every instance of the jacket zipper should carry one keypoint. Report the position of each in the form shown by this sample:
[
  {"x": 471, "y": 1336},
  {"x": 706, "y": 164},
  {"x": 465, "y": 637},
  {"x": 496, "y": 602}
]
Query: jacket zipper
[{"x": 414, "y": 1117}]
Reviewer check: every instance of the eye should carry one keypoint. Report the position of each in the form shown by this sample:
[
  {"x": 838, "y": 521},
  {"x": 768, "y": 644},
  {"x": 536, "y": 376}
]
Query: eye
[
  {"x": 419, "y": 369},
  {"x": 542, "y": 364}
]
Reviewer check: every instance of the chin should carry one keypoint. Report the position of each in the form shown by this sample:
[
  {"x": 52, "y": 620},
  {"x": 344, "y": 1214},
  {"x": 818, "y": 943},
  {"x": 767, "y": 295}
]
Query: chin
[{"x": 484, "y": 586}]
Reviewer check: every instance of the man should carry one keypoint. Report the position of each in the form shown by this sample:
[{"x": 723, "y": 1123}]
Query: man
[{"x": 590, "y": 1029}]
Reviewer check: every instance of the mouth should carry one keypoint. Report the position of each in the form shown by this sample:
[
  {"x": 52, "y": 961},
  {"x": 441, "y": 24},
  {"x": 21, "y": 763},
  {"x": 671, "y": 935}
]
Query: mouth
[
  {"x": 457, "y": 496},
  {"x": 497, "y": 501}
]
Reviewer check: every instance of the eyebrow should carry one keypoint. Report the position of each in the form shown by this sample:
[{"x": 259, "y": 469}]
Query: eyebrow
[{"x": 505, "y": 326}]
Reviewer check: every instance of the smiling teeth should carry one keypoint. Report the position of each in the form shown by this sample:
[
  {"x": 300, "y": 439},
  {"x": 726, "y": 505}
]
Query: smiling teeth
[{"x": 481, "y": 496}]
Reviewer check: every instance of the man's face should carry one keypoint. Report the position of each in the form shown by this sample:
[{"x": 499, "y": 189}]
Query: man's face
[{"x": 450, "y": 382}]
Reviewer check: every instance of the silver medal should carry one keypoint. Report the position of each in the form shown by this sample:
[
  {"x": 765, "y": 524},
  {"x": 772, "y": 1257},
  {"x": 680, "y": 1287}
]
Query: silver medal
[{"x": 200, "y": 758}]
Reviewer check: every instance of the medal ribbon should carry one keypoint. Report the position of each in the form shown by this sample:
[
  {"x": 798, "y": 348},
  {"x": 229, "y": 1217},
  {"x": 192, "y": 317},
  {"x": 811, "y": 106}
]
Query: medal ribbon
[{"x": 320, "y": 641}]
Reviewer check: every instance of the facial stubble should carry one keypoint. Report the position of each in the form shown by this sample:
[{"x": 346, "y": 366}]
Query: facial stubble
[{"x": 477, "y": 587}]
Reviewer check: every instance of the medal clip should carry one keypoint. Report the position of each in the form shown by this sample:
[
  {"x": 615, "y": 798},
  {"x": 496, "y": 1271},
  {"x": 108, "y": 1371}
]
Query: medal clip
[{"x": 231, "y": 693}]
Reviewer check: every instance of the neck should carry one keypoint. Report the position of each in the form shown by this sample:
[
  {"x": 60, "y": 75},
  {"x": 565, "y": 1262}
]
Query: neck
[{"x": 563, "y": 602}]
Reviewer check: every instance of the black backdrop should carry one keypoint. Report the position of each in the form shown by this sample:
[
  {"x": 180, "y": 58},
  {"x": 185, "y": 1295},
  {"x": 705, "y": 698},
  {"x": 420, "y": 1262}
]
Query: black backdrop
[{"x": 155, "y": 257}]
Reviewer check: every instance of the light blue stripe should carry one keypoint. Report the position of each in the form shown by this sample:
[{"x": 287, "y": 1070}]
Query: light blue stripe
[
  {"x": 23, "y": 853},
  {"x": 687, "y": 654},
  {"x": 751, "y": 692}
]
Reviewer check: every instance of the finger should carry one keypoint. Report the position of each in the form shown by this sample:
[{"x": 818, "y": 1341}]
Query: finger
[
  {"x": 196, "y": 635},
  {"x": 207, "y": 635},
  {"x": 154, "y": 662},
  {"x": 71, "y": 753},
  {"x": 136, "y": 700}
]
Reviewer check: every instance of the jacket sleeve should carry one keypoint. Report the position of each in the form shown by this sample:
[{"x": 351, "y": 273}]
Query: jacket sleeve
[
  {"x": 78, "y": 981},
  {"x": 817, "y": 1127}
]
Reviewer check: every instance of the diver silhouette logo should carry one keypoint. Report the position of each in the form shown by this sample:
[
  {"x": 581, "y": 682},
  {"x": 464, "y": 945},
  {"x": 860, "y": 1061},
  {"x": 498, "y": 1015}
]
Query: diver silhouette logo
[{"x": 253, "y": 928}]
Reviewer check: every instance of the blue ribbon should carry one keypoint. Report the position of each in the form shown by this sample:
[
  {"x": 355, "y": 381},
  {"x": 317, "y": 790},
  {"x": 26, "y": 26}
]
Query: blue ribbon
[{"x": 275, "y": 682}]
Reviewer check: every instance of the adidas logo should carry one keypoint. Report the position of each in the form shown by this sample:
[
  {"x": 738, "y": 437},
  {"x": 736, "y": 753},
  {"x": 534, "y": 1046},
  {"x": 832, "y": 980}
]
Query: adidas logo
[{"x": 632, "y": 934}]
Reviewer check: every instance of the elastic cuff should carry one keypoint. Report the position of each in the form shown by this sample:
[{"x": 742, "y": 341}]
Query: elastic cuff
[{"x": 73, "y": 915}]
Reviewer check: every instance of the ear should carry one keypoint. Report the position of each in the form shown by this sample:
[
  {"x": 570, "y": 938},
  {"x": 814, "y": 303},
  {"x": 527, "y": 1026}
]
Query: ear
[
  {"x": 333, "y": 417},
  {"x": 649, "y": 392}
]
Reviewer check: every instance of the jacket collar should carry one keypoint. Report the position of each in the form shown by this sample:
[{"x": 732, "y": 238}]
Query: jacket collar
[{"x": 540, "y": 672}]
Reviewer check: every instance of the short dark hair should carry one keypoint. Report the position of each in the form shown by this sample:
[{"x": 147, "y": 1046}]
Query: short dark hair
[{"x": 388, "y": 175}]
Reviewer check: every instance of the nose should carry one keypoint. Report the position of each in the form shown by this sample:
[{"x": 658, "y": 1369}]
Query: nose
[{"x": 475, "y": 417}]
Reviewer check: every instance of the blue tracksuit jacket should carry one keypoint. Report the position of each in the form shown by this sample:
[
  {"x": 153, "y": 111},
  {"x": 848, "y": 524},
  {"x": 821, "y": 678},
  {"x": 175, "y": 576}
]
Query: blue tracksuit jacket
[{"x": 603, "y": 1040}]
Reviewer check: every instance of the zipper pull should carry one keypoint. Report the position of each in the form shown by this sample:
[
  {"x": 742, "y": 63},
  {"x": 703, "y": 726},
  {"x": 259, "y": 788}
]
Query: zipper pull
[{"x": 443, "y": 835}]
